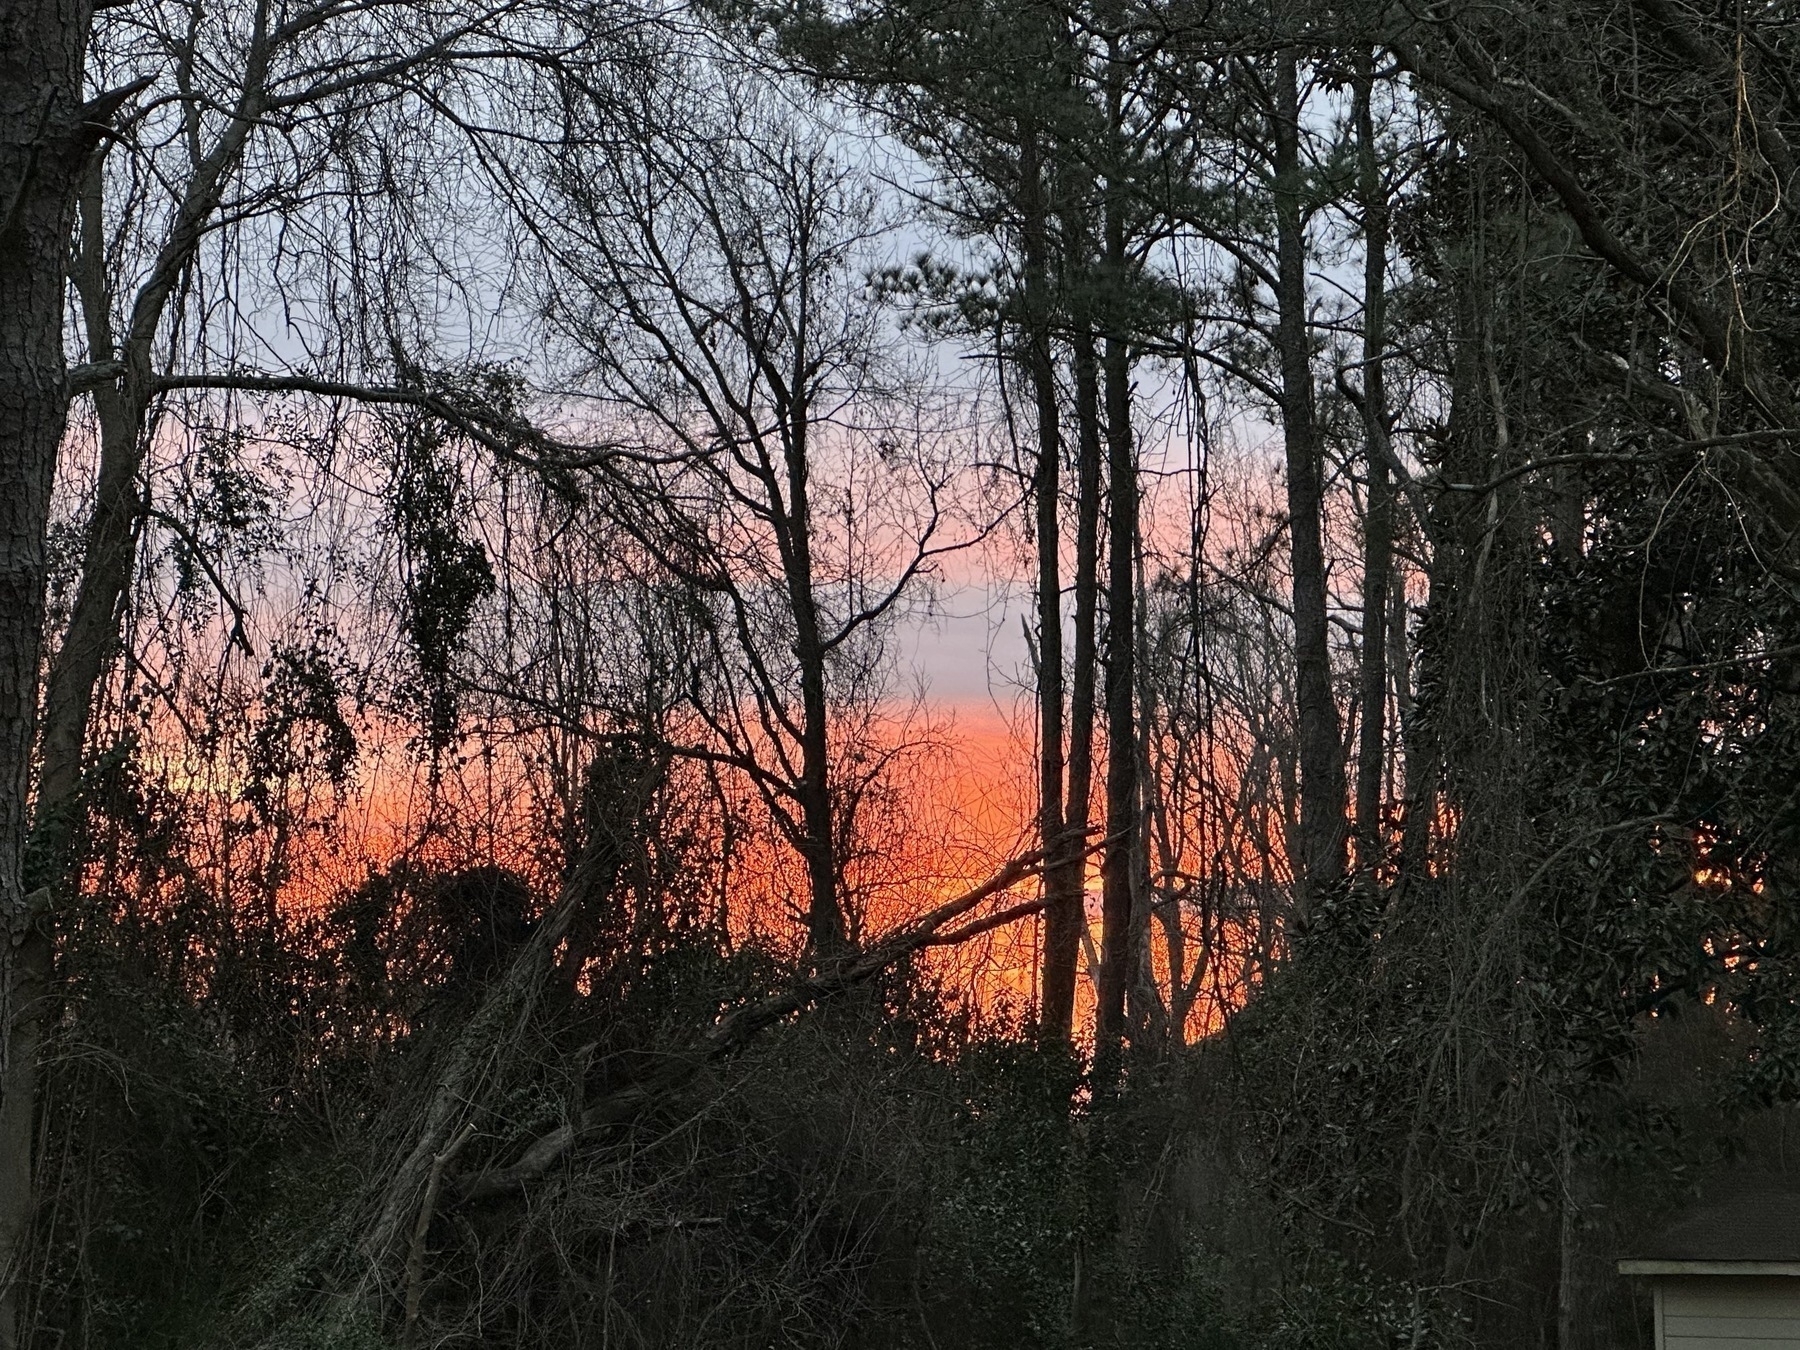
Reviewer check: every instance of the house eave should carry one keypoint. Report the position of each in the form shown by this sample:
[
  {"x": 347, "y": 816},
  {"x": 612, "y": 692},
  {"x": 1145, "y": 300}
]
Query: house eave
[{"x": 1643, "y": 1266}]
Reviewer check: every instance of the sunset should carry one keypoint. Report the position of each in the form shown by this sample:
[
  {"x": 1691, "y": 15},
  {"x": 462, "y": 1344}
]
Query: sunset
[{"x": 879, "y": 675}]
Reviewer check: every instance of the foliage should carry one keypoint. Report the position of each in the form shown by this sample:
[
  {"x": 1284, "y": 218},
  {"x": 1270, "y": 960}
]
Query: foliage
[{"x": 619, "y": 615}]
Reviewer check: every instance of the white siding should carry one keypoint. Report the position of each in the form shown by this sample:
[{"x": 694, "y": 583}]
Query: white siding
[{"x": 1730, "y": 1312}]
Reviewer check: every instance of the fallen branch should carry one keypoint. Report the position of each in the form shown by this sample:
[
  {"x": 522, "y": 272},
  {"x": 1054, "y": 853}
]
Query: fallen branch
[
  {"x": 987, "y": 924},
  {"x": 736, "y": 1028},
  {"x": 484, "y": 1039}
]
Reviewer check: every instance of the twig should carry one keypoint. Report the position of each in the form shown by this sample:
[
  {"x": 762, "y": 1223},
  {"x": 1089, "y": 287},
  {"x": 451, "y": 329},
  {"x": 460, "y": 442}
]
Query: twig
[
  {"x": 239, "y": 634},
  {"x": 1754, "y": 658},
  {"x": 976, "y": 927}
]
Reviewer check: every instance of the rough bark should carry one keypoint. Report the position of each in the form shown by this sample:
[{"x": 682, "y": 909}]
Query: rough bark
[
  {"x": 44, "y": 138},
  {"x": 54, "y": 179},
  {"x": 1123, "y": 817},
  {"x": 1147, "y": 1013}
]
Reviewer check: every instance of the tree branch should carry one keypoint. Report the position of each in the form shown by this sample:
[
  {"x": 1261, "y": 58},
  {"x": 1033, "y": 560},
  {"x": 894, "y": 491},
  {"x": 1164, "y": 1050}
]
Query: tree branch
[
  {"x": 737, "y": 1028},
  {"x": 510, "y": 438}
]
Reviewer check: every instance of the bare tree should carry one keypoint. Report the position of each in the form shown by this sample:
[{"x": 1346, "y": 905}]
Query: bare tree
[{"x": 782, "y": 471}]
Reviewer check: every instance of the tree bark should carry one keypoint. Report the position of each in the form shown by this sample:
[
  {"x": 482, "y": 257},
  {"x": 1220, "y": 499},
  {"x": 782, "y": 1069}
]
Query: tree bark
[
  {"x": 43, "y": 140},
  {"x": 1318, "y": 858},
  {"x": 107, "y": 561}
]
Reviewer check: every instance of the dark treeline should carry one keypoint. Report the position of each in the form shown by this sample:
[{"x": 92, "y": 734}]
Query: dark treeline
[{"x": 542, "y": 425}]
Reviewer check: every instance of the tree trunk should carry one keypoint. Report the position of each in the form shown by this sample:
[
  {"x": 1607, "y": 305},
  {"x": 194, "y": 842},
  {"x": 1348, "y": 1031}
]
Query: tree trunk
[
  {"x": 121, "y": 405},
  {"x": 1062, "y": 943},
  {"x": 109, "y": 552},
  {"x": 1378, "y": 527},
  {"x": 1121, "y": 854},
  {"x": 1060, "y": 908},
  {"x": 1319, "y": 853},
  {"x": 1568, "y": 1213},
  {"x": 1147, "y": 1013},
  {"x": 42, "y": 142},
  {"x": 825, "y": 915}
]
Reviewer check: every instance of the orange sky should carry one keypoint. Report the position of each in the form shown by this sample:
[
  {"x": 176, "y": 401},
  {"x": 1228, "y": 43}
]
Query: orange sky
[{"x": 959, "y": 808}]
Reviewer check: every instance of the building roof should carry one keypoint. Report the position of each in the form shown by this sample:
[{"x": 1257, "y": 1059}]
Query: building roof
[{"x": 1751, "y": 1222}]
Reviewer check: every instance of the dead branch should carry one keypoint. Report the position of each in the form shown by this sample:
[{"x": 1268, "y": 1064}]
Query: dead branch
[{"x": 735, "y": 1029}]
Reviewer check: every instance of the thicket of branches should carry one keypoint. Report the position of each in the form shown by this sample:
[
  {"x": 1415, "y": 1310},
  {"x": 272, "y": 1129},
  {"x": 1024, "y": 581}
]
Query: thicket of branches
[{"x": 475, "y": 867}]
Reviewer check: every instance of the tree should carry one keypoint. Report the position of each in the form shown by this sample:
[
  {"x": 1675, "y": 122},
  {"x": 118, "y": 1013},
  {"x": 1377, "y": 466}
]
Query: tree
[
  {"x": 1013, "y": 142},
  {"x": 1251, "y": 198},
  {"x": 244, "y": 113},
  {"x": 1372, "y": 760},
  {"x": 788, "y": 474},
  {"x": 46, "y": 134}
]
